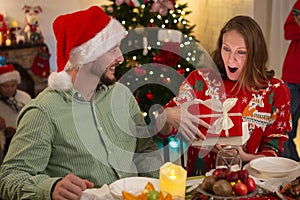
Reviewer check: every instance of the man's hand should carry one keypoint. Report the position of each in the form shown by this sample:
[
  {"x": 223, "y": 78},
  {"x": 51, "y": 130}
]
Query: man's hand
[
  {"x": 181, "y": 119},
  {"x": 70, "y": 187}
]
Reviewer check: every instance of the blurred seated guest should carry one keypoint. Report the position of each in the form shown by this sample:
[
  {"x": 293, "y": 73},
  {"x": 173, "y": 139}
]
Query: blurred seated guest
[
  {"x": 12, "y": 99},
  {"x": 27, "y": 82},
  {"x": 85, "y": 130},
  {"x": 2, "y": 139},
  {"x": 242, "y": 75}
]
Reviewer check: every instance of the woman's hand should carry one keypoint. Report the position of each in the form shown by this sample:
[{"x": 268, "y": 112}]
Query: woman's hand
[
  {"x": 243, "y": 155},
  {"x": 247, "y": 156},
  {"x": 70, "y": 187}
]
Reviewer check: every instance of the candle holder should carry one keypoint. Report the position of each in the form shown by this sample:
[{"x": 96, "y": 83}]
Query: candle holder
[{"x": 172, "y": 179}]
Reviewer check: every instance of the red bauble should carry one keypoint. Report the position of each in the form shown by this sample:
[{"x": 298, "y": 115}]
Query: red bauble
[
  {"x": 150, "y": 96},
  {"x": 180, "y": 71}
]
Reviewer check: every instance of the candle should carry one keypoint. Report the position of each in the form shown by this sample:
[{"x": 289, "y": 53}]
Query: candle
[
  {"x": 7, "y": 42},
  {"x": 172, "y": 179}
]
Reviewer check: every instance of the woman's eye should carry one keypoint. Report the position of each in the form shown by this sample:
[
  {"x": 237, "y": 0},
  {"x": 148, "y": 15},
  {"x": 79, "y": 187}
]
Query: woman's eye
[
  {"x": 226, "y": 49},
  {"x": 242, "y": 52}
]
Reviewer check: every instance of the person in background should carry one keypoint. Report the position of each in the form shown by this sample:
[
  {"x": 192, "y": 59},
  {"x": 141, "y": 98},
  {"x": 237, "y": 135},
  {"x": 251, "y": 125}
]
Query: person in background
[
  {"x": 12, "y": 100},
  {"x": 264, "y": 102},
  {"x": 2, "y": 139},
  {"x": 290, "y": 75},
  {"x": 85, "y": 130}
]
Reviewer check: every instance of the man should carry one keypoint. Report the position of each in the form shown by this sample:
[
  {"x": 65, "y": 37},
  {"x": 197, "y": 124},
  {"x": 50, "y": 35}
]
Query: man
[{"x": 84, "y": 130}]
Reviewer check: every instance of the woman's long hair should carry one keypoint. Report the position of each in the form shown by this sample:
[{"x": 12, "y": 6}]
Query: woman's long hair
[{"x": 255, "y": 74}]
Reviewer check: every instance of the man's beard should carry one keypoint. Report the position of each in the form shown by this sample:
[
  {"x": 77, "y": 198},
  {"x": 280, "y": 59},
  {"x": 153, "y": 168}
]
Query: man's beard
[{"x": 106, "y": 80}]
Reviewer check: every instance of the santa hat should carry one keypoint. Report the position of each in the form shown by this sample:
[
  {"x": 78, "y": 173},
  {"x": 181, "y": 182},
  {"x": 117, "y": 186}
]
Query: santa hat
[
  {"x": 84, "y": 36},
  {"x": 8, "y": 72}
]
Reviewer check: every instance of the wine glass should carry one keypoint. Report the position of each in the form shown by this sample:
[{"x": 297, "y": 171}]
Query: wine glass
[{"x": 229, "y": 157}]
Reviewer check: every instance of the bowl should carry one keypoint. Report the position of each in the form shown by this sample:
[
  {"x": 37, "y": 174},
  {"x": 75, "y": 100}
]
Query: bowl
[
  {"x": 134, "y": 185},
  {"x": 274, "y": 166}
]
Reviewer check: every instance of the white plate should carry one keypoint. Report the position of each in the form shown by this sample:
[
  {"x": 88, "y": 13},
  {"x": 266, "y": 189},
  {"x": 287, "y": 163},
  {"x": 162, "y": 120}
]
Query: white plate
[
  {"x": 134, "y": 185},
  {"x": 274, "y": 166}
]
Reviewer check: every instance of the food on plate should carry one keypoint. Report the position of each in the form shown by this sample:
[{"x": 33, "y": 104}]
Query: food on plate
[
  {"x": 148, "y": 193},
  {"x": 208, "y": 182},
  {"x": 232, "y": 183},
  {"x": 220, "y": 173},
  {"x": 240, "y": 189},
  {"x": 291, "y": 190},
  {"x": 222, "y": 188}
]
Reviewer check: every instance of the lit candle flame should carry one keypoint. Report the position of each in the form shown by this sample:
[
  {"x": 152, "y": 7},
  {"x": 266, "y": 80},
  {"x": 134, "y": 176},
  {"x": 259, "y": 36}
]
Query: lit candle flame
[{"x": 173, "y": 174}]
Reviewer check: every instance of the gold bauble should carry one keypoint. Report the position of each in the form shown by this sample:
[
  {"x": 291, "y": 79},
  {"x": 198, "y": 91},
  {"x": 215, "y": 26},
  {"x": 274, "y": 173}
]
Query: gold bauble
[
  {"x": 136, "y": 10},
  {"x": 180, "y": 25}
]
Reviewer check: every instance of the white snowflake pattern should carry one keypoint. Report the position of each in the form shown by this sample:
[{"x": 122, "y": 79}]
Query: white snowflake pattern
[
  {"x": 277, "y": 85},
  {"x": 244, "y": 99},
  {"x": 282, "y": 113},
  {"x": 280, "y": 125}
]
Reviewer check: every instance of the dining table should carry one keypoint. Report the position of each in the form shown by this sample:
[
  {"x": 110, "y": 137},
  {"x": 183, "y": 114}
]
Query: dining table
[
  {"x": 260, "y": 193},
  {"x": 268, "y": 186}
]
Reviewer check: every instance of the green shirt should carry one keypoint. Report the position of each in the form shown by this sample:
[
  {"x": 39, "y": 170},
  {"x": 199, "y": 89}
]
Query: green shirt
[{"x": 60, "y": 133}]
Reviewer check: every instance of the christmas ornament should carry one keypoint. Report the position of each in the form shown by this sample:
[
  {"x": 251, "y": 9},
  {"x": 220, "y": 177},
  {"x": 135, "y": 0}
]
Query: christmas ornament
[
  {"x": 131, "y": 63},
  {"x": 180, "y": 25},
  {"x": 180, "y": 71},
  {"x": 150, "y": 96},
  {"x": 139, "y": 71},
  {"x": 165, "y": 80},
  {"x": 40, "y": 64},
  {"x": 162, "y": 6},
  {"x": 169, "y": 54}
]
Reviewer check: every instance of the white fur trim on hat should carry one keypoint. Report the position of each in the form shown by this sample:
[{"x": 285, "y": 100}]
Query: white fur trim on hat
[
  {"x": 10, "y": 76},
  {"x": 103, "y": 41},
  {"x": 60, "y": 81}
]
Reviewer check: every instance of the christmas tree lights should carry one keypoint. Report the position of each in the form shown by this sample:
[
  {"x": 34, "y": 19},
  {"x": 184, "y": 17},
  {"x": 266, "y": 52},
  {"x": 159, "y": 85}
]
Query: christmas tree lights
[{"x": 159, "y": 51}]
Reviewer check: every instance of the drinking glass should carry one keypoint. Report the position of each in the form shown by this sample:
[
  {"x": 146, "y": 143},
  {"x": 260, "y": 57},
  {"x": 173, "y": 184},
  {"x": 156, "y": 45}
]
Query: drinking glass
[{"x": 229, "y": 157}]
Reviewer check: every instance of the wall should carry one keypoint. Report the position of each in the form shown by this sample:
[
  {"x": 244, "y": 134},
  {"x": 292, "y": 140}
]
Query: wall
[
  {"x": 51, "y": 9},
  {"x": 208, "y": 15}
]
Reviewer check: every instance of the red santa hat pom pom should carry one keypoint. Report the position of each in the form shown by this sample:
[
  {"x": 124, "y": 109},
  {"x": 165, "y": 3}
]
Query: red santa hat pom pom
[{"x": 8, "y": 72}]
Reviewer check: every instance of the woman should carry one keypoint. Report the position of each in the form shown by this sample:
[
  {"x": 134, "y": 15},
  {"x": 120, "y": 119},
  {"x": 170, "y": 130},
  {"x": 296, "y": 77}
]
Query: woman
[{"x": 264, "y": 101}]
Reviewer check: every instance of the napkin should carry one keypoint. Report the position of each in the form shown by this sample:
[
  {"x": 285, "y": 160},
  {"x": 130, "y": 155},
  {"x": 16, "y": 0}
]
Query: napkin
[{"x": 102, "y": 193}]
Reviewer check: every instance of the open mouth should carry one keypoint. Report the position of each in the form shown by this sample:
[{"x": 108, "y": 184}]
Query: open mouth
[{"x": 232, "y": 69}]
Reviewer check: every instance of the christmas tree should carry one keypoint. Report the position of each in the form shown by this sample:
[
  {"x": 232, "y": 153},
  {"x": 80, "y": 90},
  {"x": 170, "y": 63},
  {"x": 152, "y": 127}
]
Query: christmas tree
[{"x": 159, "y": 51}]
